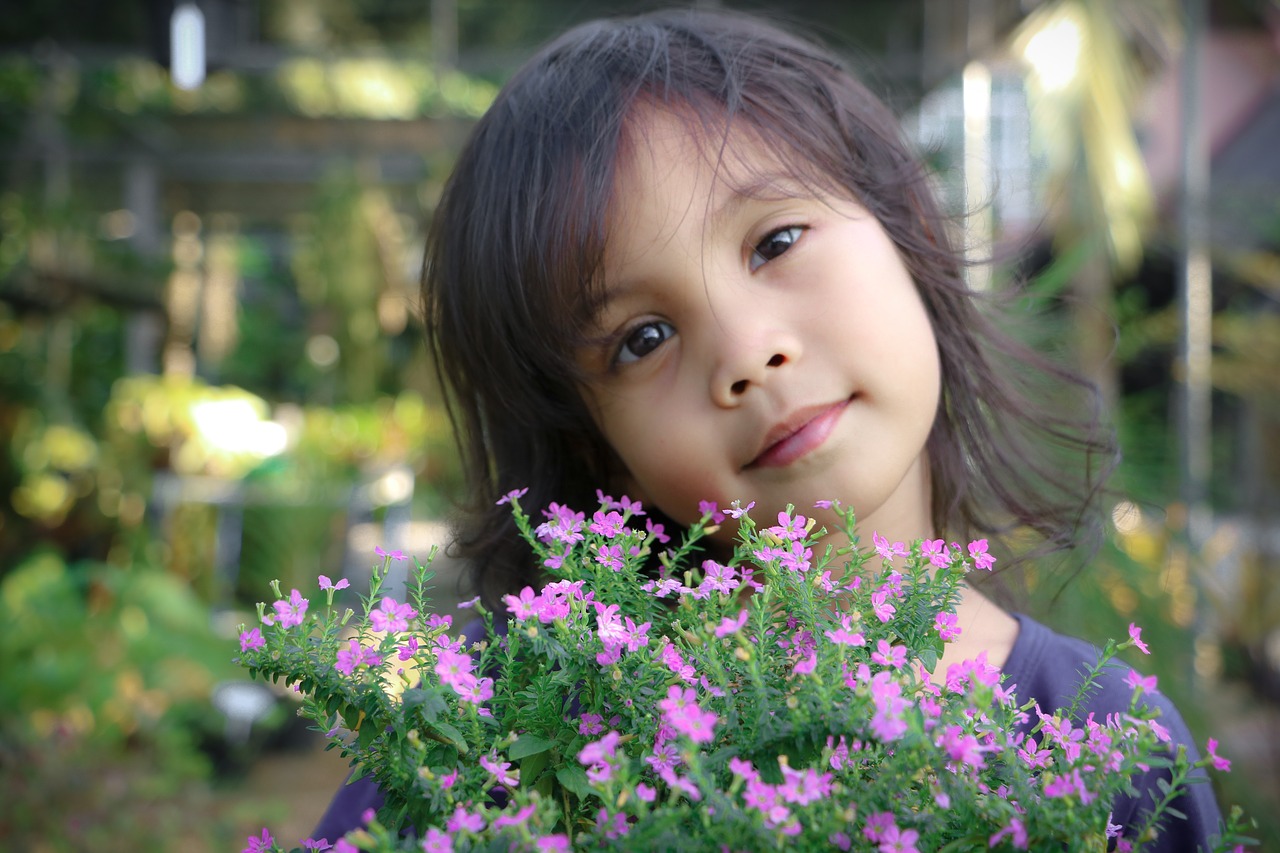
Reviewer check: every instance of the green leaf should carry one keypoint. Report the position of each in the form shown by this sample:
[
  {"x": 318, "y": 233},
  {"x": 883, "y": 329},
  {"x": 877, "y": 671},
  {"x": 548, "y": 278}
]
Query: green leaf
[
  {"x": 531, "y": 767},
  {"x": 574, "y": 778},
  {"x": 430, "y": 701},
  {"x": 528, "y": 745},
  {"x": 455, "y": 737}
]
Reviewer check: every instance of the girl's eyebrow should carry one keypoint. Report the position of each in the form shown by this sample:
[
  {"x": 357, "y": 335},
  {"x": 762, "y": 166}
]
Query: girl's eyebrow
[{"x": 762, "y": 186}]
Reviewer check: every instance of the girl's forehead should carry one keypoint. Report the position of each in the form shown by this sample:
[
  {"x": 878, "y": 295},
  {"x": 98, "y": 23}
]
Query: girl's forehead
[{"x": 731, "y": 155}]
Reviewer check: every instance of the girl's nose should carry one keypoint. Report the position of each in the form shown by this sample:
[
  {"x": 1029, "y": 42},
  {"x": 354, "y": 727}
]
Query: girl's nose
[{"x": 750, "y": 361}]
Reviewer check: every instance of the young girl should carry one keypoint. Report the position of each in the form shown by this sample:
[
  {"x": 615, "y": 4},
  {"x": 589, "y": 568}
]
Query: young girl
[{"x": 689, "y": 257}]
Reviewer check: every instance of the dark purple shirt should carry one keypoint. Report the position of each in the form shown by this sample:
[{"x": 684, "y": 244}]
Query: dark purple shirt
[{"x": 1043, "y": 665}]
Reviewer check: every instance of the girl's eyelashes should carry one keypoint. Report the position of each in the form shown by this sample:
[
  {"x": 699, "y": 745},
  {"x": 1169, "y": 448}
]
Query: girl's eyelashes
[
  {"x": 774, "y": 244},
  {"x": 643, "y": 339}
]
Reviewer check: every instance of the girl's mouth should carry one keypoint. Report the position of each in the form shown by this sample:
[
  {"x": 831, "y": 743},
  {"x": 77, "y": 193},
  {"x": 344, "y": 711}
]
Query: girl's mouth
[{"x": 798, "y": 435}]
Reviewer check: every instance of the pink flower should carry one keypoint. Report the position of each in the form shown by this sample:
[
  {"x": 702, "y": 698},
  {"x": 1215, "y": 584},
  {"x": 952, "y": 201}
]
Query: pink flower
[
  {"x": 391, "y": 616},
  {"x": 517, "y": 819},
  {"x": 645, "y": 793},
  {"x": 883, "y": 610},
  {"x": 657, "y": 531},
  {"x": 731, "y": 626},
  {"x": 936, "y": 552},
  {"x": 601, "y": 750},
  {"x": 473, "y": 690},
  {"x": 513, "y": 495},
  {"x": 325, "y": 583},
  {"x": 251, "y": 639},
  {"x": 345, "y": 846},
  {"x": 885, "y": 550},
  {"x": 408, "y": 650},
  {"x": 501, "y": 772},
  {"x": 680, "y": 711},
  {"x": 393, "y": 555},
  {"x": 355, "y": 655},
  {"x": 1135, "y": 637},
  {"x": 897, "y": 840},
  {"x": 437, "y": 842},
  {"x": 735, "y": 509},
  {"x": 464, "y": 821},
  {"x": 552, "y": 844},
  {"x": 1219, "y": 763},
  {"x": 845, "y": 635},
  {"x": 888, "y": 655},
  {"x": 260, "y": 844},
  {"x": 312, "y": 844},
  {"x": 946, "y": 624},
  {"x": 292, "y": 612},
  {"x": 1137, "y": 682},
  {"x": 613, "y": 826},
  {"x": 710, "y": 508},
  {"x": 978, "y": 553},
  {"x": 1015, "y": 831}
]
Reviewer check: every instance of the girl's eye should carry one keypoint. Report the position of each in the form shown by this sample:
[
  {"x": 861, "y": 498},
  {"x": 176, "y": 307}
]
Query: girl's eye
[
  {"x": 642, "y": 340},
  {"x": 774, "y": 244}
]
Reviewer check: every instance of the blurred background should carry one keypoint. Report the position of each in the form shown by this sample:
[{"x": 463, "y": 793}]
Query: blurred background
[{"x": 212, "y": 373}]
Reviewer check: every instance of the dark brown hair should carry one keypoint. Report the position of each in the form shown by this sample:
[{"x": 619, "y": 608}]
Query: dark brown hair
[{"x": 515, "y": 249}]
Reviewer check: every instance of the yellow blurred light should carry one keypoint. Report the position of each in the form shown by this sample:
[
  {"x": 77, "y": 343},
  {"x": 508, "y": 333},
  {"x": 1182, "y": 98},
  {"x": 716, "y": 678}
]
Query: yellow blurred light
[
  {"x": 237, "y": 426},
  {"x": 1054, "y": 52}
]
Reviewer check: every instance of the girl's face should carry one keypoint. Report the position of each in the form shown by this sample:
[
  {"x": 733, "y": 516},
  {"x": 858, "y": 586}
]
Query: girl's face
[{"x": 760, "y": 343}]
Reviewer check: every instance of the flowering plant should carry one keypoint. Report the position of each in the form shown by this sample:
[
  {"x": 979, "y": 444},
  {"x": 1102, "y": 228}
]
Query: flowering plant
[{"x": 787, "y": 696}]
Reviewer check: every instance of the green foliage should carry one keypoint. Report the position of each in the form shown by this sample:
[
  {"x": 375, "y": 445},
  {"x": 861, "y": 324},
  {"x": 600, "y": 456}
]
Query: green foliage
[
  {"x": 107, "y": 679},
  {"x": 775, "y": 719}
]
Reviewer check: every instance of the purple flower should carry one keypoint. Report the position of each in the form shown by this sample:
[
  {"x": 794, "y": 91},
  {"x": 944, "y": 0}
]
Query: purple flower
[
  {"x": 552, "y": 844},
  {"x": 251, "y": 639},
  {"x": 1219, "y": 763},
  {"x": 312, "y": 844},
  {"x": 345, "y": 846},
  {"x": 355, "y": 655},
  {"x": 736, "y": 510},
  {"x": 408, "y": 650},
  {"x": 260, "y": 844},
  {"x": 325, "y": 583},
  {"x": 292, "y": 612},
  {"x": 393, "y": 555},
  {"x": 513, "y": 495}
]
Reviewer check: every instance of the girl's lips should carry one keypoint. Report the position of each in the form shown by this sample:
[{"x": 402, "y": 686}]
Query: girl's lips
[{"x": 798, "y": 435}]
